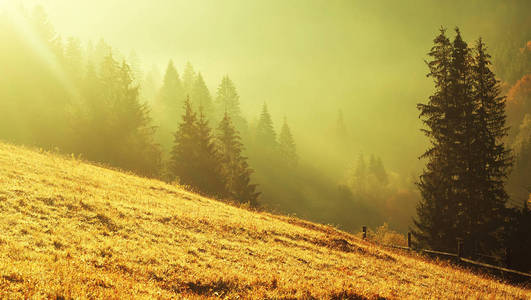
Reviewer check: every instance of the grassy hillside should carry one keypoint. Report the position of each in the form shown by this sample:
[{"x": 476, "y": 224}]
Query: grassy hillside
[{"x": 71, "y": 229}]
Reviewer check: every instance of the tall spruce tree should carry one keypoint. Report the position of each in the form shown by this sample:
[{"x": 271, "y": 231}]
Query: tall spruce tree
[
  {"x": 184, "y": 155},
  {"x": 211, "y": 180},
  {"x": 265, "y": 132},
  {"x": 136, "y": 68},
  {"x": 201, "y": 96},
  {"x": 377, "y": 169},
  {"x": 113, "y": 126},
  {"x": 188, "y": 79},
  {"x": 168, "y": 106},
  {"x": 360, "y": 175},
  {"x": 287, "y": 147},
  {"x": 462, "y": 186},
  {"x": 491, "y": 158},
  {"x": 73, "y": 59},
  {"x": 236, "y": 171},
  {"x": 436, "y": 210},
  {"x": 170, "y": 99},
  {"x": 228, "y": 101}
]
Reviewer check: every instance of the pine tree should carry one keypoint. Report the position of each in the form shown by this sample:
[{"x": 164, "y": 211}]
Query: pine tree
[
  {"x": 43, "y": 28},
  {"x": 168, "y": 106},
  {"x": 151, "y": 87},
  {"x": 136, "y": 69},
  {"x": 171, "y": 96},
  {"x": 288, "y": 150},
  {"x": 519, "y": 183},
  {"x": 462, "y": 187},
  {"x": 236, "y": 170},
  {"x": 265, "y": 133},
  {"x": 377, "y": 169},
  {"x": 491, "y": 159},
  {"x": 189, "y": 77},
  {"x": 360, "y": 175},
  {"x": 201, "y": 96},
  {"x": 436, "y": 211},
  {"x": 113, "y": 126},
  {"x": 74, "y": 60},
  {"x": 211, "y": 181},
  {"x": 101, "y": 51},
  {"x": 228, "y": 101},
  {"x": 184, "y": 155}
]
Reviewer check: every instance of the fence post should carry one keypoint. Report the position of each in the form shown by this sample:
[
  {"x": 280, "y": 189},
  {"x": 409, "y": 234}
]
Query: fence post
[
  {"x": 459, "y": 248},
  {"x": 409, "y": 240},
  {"x": 364, "y": 232},
  {"x": 508, "y": 257}
]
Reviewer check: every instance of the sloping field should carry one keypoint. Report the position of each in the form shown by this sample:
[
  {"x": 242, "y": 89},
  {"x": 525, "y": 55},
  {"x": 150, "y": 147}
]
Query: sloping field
[{"x": 70, "y": 229}]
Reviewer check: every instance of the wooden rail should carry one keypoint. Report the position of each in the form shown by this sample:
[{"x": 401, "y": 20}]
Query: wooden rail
[{"x": 458, "y": 257}]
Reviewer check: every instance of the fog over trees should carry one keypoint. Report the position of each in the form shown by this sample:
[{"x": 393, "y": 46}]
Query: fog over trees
[{"x": 319, "y": 118}]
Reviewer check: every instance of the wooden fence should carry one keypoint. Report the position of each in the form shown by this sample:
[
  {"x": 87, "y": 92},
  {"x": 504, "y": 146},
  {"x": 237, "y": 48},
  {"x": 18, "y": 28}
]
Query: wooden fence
[{"x": 505, "y": 273}]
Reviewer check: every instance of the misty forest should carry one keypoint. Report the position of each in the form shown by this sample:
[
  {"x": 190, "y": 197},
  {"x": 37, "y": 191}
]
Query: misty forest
[{"x": 402, "y": 118}]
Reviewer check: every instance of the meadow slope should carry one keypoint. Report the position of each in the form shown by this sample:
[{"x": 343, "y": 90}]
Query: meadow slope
[{"x": 71, "y": 229}]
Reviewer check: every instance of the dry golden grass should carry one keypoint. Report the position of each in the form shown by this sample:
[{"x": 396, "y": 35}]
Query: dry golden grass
[{"x": 70, "y": 229}]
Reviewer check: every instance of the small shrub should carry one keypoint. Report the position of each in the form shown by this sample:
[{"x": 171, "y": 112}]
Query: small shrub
[{"x": 385, "y": 236}]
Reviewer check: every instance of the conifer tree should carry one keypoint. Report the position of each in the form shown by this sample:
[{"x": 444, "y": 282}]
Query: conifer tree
[
  {"x": 462, "y": 186},
  {"x": 44, "y": 29},
  {"x": 236, "y": 171},
  {"x": 210, "y": 180},
  {"x": 265, "y": 133},
  {"x": 74, "y": 60},
  {"x": 168, "y": 106},
  {"x": 171, "y": 96},
  {"x": 360, "y": 175},
  {"x": 188, "y": 79},
  {"x": 436, "y": 211},
  {"x": 381, "y": 173},
  {"x": 184, "y": 155},
  {"x": 101, "y": 51},
  {"x": 136, "y": 69},
  {"x": 201, "y": 96},
  {"x": 519, "y": 183},
  {"x": 228, "y": 101},
  {"x": 377, "y": 168},
  {"x": 451, "y": 111},
  {"x": 491, "y": 159},
  {"x": 151, "y": 87},
  {"x": 288, "y": 150},
  {"x": 114, "y": 127}
]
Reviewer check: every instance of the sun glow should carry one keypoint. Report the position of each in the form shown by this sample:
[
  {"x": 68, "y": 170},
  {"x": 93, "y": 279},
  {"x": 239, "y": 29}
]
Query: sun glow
[{"x": 19, "y": 17}]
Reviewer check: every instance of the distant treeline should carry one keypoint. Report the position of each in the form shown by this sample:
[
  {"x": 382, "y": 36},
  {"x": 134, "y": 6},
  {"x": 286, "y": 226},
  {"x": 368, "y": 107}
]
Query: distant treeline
[{"x": 93, "y": 102}]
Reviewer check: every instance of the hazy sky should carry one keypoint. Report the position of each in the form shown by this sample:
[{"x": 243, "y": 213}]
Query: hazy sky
[{"x": 307, "y": 59}]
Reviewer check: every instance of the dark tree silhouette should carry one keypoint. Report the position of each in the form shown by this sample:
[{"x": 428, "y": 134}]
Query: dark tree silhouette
[{"x": 462, "y": 186}]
